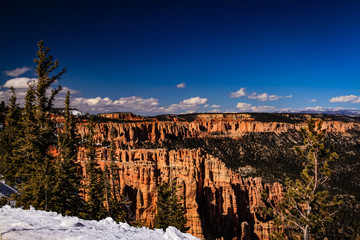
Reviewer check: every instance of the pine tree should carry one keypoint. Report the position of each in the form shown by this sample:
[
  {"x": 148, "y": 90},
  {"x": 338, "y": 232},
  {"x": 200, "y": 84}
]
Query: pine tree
[
  {"x": 94, "y": 180},
  {"x": 68, "y": 200},
  {"x": 304, "y": 208},
  {"x": 38, "y": 169},
  {"x": 9, "y": 135},
  {"x": 170, "y": 211}
]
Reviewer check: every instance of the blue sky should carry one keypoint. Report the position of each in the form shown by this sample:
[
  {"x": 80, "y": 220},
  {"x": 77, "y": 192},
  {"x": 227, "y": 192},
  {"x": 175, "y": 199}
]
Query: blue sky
[{"x": 155, "y": 57}]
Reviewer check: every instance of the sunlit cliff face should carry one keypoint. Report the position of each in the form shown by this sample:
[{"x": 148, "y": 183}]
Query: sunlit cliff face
[{"x": 219, "y": 202}]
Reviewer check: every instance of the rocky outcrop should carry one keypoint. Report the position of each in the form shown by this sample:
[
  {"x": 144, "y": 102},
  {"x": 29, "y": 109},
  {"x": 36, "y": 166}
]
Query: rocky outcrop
[
  {"x": 219, "y": 203},
  {"x": 123, "y": 116},
  {"x": 204, "y": 125},
  {"x": 217, "y": 200}
]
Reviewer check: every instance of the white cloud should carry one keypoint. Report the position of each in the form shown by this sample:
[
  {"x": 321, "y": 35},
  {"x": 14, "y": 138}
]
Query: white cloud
[
  {"x": 260, "y": 97},
  {"x": 5, "y": 95},
  {"x": 215, "y": 106},
  {"x": 65, "y": 89},
  {"x": 266, "y": 97},
  {"x": 243, "y": 106},
  {"x": 136, "y": 104},
  {"x": 189, "y": 105},
  {"x": 194, "y": 101},
  {"x": 317, "y": 108},
  {"x": 181, "y": 85},
  {"x": 312, "y": 100},
  {"x": 125, "y": 104},
  {"x": 238, "y": 93},
  {"x": 17, "y": 72},
  {"x": 344, "y": 99},
  {"x": 264, "y": 109},
  {"x": 19, "y": 82},
  {"x": 214, "y": 111},
  {"x": 247, "y": 107}
]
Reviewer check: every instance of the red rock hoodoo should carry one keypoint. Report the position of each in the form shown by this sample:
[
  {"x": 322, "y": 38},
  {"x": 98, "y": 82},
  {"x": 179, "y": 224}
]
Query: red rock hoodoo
[{"x": 219, "y": 202}]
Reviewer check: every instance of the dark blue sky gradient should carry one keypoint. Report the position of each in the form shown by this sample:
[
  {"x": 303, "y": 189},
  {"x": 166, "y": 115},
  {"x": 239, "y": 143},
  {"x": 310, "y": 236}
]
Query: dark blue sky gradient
[{"x": 308, "y": 49}]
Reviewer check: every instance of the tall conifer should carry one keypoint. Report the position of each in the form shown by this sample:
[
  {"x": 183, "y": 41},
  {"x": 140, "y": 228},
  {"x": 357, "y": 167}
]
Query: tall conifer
[
  {"x": 39, "y": 135},
  {"x": 304, "y": 209},
  {"x": 68, "y": 200},
  {"x": 11, "y": 132},
  {"x": 170, "y": 211},
  {"x": 94, "y": 179}
]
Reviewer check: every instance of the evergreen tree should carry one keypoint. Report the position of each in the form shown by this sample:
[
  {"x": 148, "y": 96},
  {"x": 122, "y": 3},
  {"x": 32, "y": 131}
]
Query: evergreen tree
[
  {"x": 170, "y": 211},
  {"x": 68, "y": 200},
  {"x": 11, "y": 132},
  {"x": 34, "y": 155},
  {"x": 94, "y": 179},
  {"x": 304, "y": 208}
]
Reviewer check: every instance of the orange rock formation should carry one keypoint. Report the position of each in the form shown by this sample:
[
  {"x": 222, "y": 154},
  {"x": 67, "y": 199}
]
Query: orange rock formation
[{"x": 219, "y": 203}]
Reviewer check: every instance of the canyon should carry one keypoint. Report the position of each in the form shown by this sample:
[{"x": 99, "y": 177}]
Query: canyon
[{"x": 221, "y": 163}]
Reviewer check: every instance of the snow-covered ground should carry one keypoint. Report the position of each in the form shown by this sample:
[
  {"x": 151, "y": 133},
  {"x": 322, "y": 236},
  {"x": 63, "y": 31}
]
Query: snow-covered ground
[{"x": 16, "y": 223}]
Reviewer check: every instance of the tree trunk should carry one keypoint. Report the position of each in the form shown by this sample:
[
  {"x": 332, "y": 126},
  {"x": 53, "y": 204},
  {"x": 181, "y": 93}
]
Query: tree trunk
[{"x": 306, "y": 232}]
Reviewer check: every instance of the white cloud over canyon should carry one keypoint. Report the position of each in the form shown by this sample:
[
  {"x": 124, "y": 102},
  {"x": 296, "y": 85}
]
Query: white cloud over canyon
[
  {"x": 124, "y": 104},
  {"x": 262, "y": 97},
  {"x": 99, "y": 104},
  {"x": 247, "y": 107},
  {"x": 188, "y": 105},
  {"x": 152, "y": 106}
]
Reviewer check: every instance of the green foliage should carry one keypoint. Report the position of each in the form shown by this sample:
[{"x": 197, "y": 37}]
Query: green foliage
[
  {"x": 170, "y": 211},
  {"x": 44, "y": 67},
  {"x": 68, "y": 200},
  {"x": 3, "y": 201},
  {"x": 346, "y": 223},
  {"x": 9, "y": 142},
  {"x": 94, "y": 180},
  {"x": 305, "y": 208},
  {"x": 37, "y": 171}
]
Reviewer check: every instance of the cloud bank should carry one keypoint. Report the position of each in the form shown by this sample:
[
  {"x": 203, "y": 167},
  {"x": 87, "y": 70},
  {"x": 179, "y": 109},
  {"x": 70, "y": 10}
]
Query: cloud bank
[
  {"x": 188, "y": 105},
  {"x": 99, "y": 104},
  {"x": 247, "y": 107},
  {"x": 262, "y": 97},
  {"x": 152, "y": 106}
]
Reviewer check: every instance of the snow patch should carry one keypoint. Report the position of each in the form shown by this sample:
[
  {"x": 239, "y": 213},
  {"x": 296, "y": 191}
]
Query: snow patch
[{"x": 16, "y": 223}]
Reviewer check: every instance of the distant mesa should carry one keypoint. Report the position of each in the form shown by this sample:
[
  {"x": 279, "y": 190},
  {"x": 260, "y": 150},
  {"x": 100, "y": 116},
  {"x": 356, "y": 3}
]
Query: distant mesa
[{"x": 124, "y": 116}]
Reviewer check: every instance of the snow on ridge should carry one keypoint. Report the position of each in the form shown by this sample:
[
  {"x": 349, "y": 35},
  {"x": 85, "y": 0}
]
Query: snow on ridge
[{"x": 16, "y": 223}]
